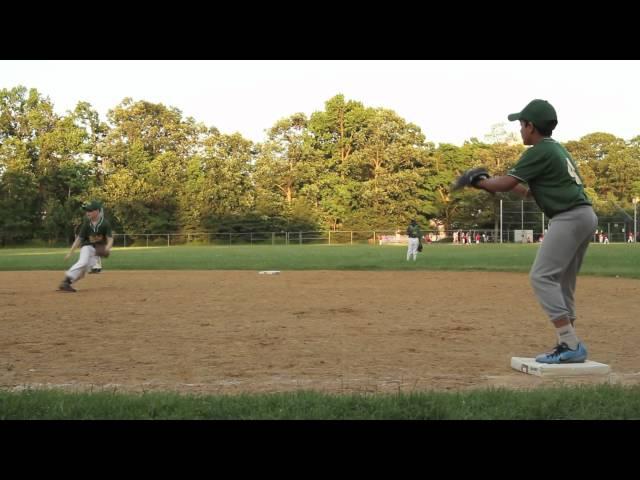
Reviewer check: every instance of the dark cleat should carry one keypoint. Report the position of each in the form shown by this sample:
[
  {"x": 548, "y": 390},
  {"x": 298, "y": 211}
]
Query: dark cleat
[{"x": 66, "y": 287}]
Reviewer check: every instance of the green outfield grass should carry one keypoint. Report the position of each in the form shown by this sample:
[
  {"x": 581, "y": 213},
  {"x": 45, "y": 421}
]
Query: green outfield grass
[
  {"x": 605, "y": 260},
  {"x": 602, "y": 402}
]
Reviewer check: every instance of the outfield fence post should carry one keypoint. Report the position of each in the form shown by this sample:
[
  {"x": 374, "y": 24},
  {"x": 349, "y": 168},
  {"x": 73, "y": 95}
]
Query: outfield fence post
[{"x": 500, "y": 220}]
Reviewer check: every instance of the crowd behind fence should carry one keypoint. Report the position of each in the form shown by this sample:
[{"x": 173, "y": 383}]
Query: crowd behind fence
[
  {"x": 516, "y": 222},
  {"x": 347, "y": 237}
]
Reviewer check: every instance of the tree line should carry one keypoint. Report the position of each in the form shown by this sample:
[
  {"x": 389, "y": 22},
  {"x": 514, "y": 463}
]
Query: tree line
[{"x": 348, "y": 166}]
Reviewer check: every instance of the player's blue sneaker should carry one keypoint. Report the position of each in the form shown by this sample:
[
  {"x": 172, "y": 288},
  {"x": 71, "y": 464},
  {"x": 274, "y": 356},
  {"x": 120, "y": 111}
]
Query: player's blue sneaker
[{"x": 563, "y": 354}]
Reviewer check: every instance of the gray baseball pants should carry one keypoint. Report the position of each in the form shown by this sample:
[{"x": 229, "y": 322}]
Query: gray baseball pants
[{"x": 554, "y": 271}]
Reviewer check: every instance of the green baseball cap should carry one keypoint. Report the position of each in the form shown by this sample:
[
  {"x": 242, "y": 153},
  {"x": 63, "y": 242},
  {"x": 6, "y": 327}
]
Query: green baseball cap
[
  {"x": 539, "y": 112},
  {"x": 92, "y": 205}
]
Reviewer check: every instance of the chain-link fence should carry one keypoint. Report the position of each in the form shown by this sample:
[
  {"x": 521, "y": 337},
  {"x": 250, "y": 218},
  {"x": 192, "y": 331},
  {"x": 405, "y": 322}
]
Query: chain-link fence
[
  {"x": 513, "y": 221},
  {"x": 525, "y": 215}
]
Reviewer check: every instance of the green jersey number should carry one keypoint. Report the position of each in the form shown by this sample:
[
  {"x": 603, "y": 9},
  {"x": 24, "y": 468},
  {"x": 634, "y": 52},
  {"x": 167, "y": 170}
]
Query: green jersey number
[{"x": 572, "y": 172}]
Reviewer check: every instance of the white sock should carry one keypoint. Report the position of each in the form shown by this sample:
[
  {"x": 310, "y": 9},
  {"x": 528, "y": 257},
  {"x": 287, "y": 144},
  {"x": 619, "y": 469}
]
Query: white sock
[{"x": 567, "y": 334}]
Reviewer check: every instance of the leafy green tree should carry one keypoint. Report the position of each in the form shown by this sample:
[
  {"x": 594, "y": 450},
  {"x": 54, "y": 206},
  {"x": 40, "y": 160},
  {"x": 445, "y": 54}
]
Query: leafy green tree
[
  {"x": 222, "y": 185},
  {"x": 286, "y": 164},
  {"x": 146, "y": 156}
]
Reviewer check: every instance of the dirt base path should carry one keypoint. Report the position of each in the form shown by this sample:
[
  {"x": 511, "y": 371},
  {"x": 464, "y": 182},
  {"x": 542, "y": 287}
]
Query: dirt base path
[{"x": 227, "y": 332}]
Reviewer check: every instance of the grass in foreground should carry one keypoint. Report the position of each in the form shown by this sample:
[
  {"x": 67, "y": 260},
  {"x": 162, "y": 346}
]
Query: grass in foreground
[{"x": 601, "y": 402}]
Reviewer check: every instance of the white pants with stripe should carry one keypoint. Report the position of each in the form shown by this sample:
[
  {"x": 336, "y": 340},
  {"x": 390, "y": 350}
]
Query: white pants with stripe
[
  {"x": 85, "y": 263},
  {"x": 412, "y": 250}
]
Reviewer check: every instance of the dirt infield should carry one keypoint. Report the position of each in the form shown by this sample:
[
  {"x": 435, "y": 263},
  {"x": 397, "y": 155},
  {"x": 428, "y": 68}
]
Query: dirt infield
[{"x": 332, "y": 331}]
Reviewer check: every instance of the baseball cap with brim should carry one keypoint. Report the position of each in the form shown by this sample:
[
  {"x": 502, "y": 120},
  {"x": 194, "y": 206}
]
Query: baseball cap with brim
[
  {"x": 93, "y": 205},
  {"x": 539, "y": 112}
]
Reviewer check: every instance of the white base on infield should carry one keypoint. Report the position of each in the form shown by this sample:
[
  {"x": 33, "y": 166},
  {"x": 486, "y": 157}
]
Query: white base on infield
[
  {"x": 269, "y": 272},
  {"x": 530, "y": 366}
]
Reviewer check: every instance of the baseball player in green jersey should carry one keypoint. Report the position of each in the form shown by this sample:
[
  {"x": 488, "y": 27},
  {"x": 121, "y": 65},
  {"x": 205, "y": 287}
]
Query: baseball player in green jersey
[
  {"x": 414, "y": 234},
  {"x": 94, "y": 232},
  {"x": 555, "y": 185}
]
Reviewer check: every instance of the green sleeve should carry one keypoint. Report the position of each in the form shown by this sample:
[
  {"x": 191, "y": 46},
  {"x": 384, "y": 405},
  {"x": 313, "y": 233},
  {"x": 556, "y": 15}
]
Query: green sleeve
[
  {"x": 108, "y": 231},
  {"x": 530, "y": 165},
  {"x": 83, "y": 231}
]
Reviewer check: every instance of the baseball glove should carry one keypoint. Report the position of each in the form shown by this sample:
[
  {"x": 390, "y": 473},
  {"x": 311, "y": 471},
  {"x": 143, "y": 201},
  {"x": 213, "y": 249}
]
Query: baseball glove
[
  {"x": 420, "y": 247},
  {"x": 101, "y": 250},
  {"x": 470, "y": 178}
]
